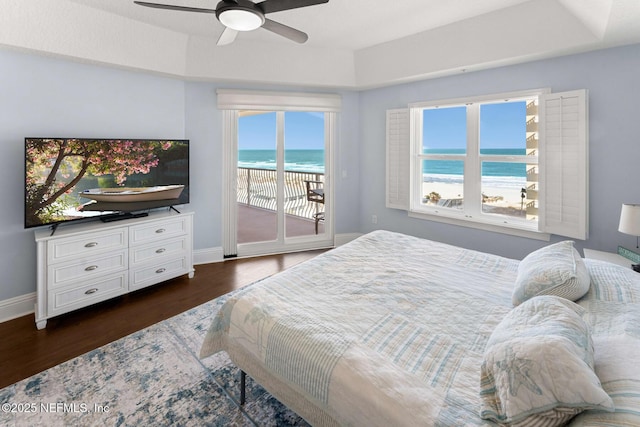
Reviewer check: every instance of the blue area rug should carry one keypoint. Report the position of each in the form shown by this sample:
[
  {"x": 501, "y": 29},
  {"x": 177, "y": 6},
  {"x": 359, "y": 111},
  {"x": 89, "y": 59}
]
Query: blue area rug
[{"x": 152, "y": 377}]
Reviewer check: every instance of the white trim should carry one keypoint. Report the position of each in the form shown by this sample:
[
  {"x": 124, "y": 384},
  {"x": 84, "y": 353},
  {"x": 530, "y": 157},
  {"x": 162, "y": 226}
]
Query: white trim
[
  {"x": 230, "y": 182},
  {"x": 344, "y": 238},
  {"x": 208, "y": 256},
  {"x": 398, "y": 159},
  {"x": 331, "y": 142},
  {"x": 280, "y": 182},
  {"x": 564, "y": 169},
  {"x": 19, "y": 306},
  {"x": 283, "y": 243},
  {"x": 472, "y": 216},
  {"x": 232, "y": 99},
  {"x": 247, "y": 250},
  {"x": 24, "y": 305},
  {"x": 506, "y": 96},
  {"x": 483, "y": 225},
  {"x": 213, "y": 255}
]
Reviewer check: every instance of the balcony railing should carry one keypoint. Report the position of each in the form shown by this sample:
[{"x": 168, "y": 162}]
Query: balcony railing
[{"x": 258, "y": 188}]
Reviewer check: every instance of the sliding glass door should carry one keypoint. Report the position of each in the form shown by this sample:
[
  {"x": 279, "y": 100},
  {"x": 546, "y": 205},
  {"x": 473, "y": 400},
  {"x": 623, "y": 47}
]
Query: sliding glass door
[
  {"x": 257, "y": 177},
  {"x": 282, "y": 188}
]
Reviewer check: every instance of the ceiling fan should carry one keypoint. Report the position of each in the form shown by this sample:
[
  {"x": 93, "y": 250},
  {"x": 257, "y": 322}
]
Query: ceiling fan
[{"x": 244, "y": 15}]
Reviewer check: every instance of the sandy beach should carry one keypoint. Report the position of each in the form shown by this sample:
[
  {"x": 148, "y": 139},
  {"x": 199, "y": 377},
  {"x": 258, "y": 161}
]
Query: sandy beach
[{"x": 502, "y": 199}]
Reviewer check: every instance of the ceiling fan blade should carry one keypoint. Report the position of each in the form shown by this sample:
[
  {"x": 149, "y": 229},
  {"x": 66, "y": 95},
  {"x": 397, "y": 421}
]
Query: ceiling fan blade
[
  {"x": 270, "y": 6},
  {"x": 285, "y": 31},
  {"x": 172, "y": 7},
  {"x": 227, "y": 36}
]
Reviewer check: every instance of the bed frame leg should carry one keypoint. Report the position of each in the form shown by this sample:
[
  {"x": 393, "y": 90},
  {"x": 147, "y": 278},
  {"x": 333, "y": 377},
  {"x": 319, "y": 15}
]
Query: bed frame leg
[{"x": 243, "y": 378}]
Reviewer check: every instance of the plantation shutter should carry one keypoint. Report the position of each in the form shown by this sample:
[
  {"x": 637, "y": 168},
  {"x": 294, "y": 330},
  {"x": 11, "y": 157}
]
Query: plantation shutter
[
  {"x": 397, "y": 179},
  {"x": 563, "y": 130}
]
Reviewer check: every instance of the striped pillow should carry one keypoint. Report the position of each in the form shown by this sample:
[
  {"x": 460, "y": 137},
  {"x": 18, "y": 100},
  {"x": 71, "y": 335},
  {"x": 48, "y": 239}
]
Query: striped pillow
[
  {"x": 538, "y": 366},
  {"x": 556, "y": 269}
]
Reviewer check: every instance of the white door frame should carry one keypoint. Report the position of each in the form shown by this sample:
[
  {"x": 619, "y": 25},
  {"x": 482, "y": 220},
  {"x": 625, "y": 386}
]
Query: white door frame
[{"x": 230, "y": 101}]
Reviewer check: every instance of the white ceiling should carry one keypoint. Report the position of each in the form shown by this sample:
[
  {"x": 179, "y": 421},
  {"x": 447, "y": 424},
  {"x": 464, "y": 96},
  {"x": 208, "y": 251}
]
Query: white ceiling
[
  {"x": 339, "y": 24},
  {"x": 352, "y": 43}
]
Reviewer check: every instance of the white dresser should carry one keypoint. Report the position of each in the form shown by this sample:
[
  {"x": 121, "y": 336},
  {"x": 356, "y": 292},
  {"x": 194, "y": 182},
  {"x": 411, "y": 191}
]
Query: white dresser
[{"x": 82, "y": 264}]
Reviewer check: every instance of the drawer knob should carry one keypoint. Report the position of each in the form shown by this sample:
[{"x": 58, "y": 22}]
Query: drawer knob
[
  {"x": 91, "y": 291},
  {"x": 160, "y": 230},
  {"x": 91, "y": 268},
  {"x": 161, "y": 270},
  {"x": 91, "y": 244},
  {"x": 161, "y": 250}
]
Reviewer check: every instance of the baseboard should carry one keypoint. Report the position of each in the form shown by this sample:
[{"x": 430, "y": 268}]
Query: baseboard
[
  {"x": 341, "y": 239},
  {"x": 207, "y": 256},
  {"x": 17, "y": 307},
  {"x": 24, "y": 304}
]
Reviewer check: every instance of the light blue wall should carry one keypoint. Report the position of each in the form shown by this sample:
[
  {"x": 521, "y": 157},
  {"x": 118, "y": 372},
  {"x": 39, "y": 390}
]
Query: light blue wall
[
  {"x": 41, "y": 96},
  {"x": 45, "y": 96},
  {"x": 612, "y": 78},
  {"x": 205, "y": 163},
  {"x": 348, "y": 159},
  {"x": 204, "y": 125}
]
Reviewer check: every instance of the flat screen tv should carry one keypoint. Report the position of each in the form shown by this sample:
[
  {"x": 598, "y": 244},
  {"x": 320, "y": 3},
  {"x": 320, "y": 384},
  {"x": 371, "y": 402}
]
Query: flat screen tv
[{"x": 70, "y": 179}]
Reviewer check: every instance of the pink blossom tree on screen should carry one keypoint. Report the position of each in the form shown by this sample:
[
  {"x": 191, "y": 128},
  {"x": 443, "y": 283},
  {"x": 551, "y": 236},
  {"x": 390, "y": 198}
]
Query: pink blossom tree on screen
[{"x": 72, "y": 159}]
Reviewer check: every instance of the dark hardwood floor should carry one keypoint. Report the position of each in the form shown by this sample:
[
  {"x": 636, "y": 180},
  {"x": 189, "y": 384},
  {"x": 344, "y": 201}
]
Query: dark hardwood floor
[{"x": 25, "y": 351}]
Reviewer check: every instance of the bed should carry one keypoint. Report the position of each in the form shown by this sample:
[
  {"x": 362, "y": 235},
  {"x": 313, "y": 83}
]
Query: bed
[{"x": 391, "y": 329}]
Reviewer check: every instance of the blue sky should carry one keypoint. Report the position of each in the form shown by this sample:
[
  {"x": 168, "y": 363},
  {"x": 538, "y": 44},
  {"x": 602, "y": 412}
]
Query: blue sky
[
  {"x": 502, "y": 125},
  {"x": 303, "y": 130}
]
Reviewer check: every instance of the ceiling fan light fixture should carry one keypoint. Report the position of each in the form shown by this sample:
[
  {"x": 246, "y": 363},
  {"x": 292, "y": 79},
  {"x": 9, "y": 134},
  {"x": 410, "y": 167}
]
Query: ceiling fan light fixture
[
  {"x": 245, "y": 15},
  {"x": 241, "y": 19}
]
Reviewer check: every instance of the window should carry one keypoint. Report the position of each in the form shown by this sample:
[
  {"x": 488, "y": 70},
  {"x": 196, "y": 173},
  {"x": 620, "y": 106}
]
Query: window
[{"x": 478, "y": 161}]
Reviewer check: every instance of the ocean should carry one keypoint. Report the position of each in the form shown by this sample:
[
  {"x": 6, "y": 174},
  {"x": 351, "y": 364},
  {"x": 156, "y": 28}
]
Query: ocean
[
  {"x": 294, "y": 160},
  {"x": 493, "y": 173}
]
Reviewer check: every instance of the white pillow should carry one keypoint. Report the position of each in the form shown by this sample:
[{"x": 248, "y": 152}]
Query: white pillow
[
  {"x": 556, "y": 269},
  {"x": 538, "y": 366}
]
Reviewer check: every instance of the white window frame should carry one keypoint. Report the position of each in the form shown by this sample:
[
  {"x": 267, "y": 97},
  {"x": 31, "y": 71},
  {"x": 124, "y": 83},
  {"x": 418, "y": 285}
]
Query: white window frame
[
  {"x": 472, "y": 159},
  {"x": 568, "y": 223}
]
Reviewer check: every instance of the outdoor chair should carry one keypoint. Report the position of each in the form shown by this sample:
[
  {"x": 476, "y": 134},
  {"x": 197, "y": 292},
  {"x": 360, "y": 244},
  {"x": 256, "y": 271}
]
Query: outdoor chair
[{"x": 315, "y": 193}]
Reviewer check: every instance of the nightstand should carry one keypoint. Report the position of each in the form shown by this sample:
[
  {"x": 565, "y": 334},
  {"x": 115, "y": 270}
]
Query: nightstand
[{"x": 611, "y": 257}]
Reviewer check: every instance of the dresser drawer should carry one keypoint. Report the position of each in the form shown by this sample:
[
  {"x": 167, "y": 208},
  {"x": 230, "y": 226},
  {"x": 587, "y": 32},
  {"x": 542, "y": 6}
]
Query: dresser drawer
[
  {"x": 158, "y": 272},
  {"x": 146, "y": 233},
  {"x": 87, "y": 268},
  {"x": 166, "y": 248},
  {"x": 73, "y": 297},
  {"x": 69, "y": 248},
  {"x": 91, "y": 262}
]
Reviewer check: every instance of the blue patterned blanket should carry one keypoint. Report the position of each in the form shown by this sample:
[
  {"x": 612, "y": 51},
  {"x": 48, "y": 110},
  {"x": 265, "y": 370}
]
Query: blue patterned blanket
[{"x": 390, "y": 329}]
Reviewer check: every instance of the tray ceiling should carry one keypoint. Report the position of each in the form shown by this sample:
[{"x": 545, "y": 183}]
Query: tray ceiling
[{"x": 352, "y": 43}]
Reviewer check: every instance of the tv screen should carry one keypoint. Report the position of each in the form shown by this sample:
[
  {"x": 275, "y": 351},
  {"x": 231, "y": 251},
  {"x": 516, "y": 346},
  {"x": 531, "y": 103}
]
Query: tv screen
[{"x": 68, "y": 179}]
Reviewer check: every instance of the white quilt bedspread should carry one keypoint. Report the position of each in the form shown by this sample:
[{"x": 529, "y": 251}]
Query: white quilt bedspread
[{"x": 386, "y": 330}]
